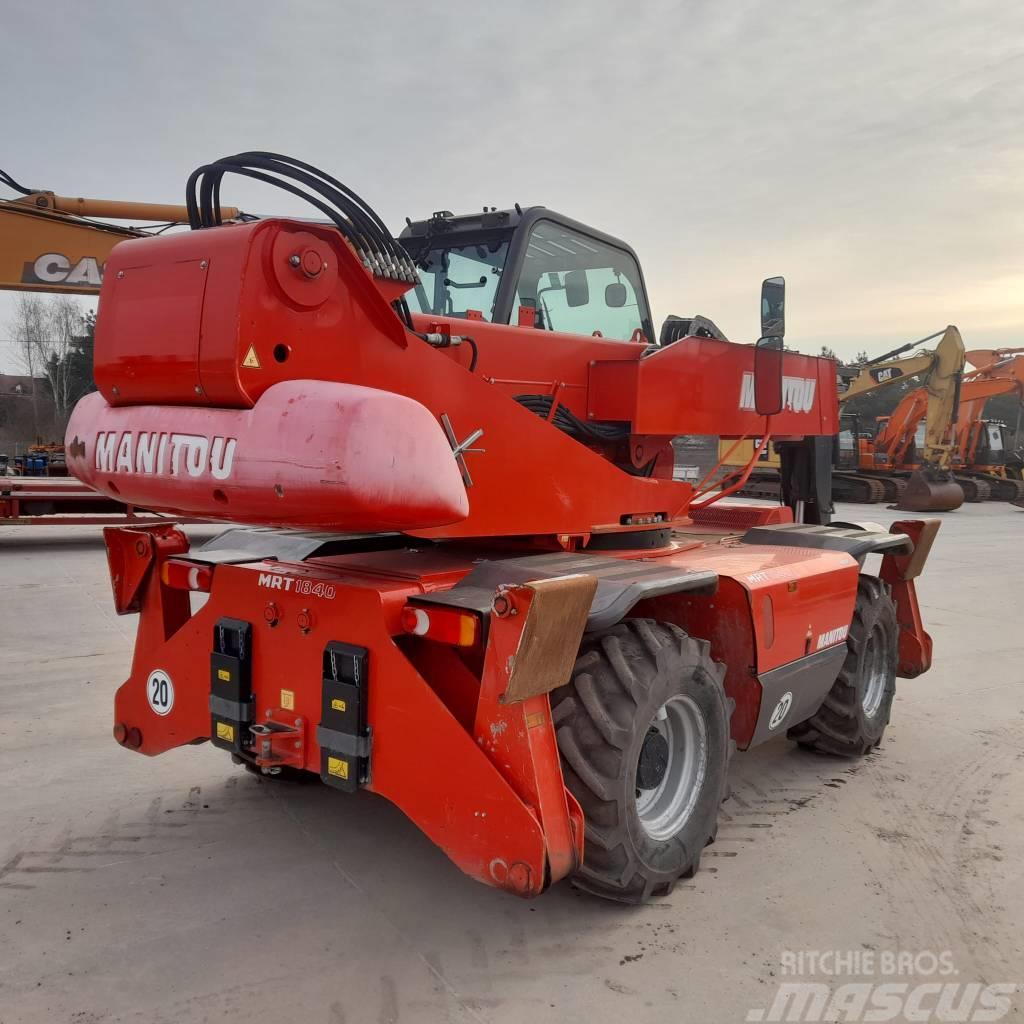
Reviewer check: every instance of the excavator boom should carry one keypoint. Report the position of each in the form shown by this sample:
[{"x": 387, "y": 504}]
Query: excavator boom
[{"x": 51, "y": 243}]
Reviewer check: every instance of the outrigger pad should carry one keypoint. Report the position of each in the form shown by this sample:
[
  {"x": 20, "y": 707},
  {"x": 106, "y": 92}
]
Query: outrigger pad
[{"x": 855, "y": 542}]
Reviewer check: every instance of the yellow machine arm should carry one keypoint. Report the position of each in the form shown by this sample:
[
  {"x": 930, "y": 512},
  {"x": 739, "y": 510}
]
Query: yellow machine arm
[
  {"x": 50, "y": 243},
  {"x": 885, "y": 370},
  {"x": 943, "y": 387}
]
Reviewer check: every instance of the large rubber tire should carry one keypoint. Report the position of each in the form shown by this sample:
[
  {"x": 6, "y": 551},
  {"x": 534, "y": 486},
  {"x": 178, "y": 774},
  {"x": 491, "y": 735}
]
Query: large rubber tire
[
  {"x": 622, "y": 678},
  {"x": 853, "y": 717}
]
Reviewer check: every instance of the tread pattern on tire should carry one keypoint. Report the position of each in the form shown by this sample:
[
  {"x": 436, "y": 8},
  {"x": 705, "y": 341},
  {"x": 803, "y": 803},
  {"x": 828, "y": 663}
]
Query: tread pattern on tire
[
  {"x": 838, "y": 726},
  {"x": 595, "y": 717}
]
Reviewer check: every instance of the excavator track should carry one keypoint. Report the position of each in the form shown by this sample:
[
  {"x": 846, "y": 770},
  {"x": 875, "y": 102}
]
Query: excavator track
[
  {"x": 764, "y": 487},
  {"x": 863, "y": 490},
  {"x": 1003, "y": 489},
  {"x": 975, "y": 489},
  {"x": 892, "y": 486}
]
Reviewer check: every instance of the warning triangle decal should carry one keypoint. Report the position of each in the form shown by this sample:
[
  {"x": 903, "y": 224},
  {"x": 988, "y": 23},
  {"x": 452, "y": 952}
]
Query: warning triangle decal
[{"x": 251, "y": 359}]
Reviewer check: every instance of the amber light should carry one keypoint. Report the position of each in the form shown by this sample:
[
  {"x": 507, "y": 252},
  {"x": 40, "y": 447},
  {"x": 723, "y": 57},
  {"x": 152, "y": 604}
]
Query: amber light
[
  {"x": 445, "y": 625},
  {"x": 183, "y": 575}
]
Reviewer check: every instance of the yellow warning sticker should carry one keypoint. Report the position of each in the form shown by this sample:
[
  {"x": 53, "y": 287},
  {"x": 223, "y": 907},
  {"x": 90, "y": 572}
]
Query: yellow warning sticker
[
  {"x": 224, "y": 674},
  {"x": 338, "y": 705},
  {"x": 251, "y": 360},
  {"x": 337, "y": 766},
  {"x": 288, "y": 700},
  {"x": 225, "y": 732}
]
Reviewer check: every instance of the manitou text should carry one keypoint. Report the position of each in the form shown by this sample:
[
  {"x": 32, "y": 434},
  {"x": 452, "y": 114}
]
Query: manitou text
[{"x": 157, "y": 453}]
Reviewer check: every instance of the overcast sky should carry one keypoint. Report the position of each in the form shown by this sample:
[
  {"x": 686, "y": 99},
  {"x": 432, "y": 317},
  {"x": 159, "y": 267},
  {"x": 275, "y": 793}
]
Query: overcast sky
[{"x": 873, "y": 153}]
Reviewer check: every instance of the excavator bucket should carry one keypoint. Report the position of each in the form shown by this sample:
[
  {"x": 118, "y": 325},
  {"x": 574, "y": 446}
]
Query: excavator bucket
[{"x": 930, "y": 492}]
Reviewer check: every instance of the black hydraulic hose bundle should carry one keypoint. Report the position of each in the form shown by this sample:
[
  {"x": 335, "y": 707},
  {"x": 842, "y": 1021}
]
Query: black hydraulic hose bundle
[
  {"x": 570, "y": 423},
  {"x": 382, "y": 255},
  {"x": 6, "y": 179},
  {"x": 380, "y": 252}
]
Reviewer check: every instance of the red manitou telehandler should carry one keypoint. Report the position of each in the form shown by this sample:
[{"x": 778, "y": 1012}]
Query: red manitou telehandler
[{"x": 460, "y": 573}]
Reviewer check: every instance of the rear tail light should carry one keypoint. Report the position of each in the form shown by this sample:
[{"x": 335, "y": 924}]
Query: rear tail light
[
  {"x": 445, "y": 625},
  {"x": 183, "y": 575}
]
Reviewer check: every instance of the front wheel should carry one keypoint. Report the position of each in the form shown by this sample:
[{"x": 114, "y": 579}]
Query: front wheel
[
  {"x": 643, "y": 730},
  {"x": 855, "y": 713}
]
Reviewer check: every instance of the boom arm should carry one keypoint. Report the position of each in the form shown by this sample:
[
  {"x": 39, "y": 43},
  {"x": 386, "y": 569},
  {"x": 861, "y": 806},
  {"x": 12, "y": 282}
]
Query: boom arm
[
  {"x": 880, "y": 375},
  {"x": 49, "y": 243},
  {"x": 1000, "y": 372},
  {"x": 882, "y": 372}
]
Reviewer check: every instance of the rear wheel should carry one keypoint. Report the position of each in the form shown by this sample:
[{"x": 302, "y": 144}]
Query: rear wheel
[
  {"x": 643, "y": 729},
  {"x": 855, "y": 713}
]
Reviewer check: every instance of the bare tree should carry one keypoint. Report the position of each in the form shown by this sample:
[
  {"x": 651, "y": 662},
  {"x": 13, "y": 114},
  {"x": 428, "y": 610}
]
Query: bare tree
[
  {"x": 63, "y": 325},
  {"x": 29, "y": 329},
  {"x": 45, "y": 332}
]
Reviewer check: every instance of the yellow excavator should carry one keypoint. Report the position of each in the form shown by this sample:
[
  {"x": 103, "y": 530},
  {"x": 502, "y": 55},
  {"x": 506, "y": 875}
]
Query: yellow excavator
[
  {"x": 862, "y": 474},
  {"x": 52, "y": 243}
]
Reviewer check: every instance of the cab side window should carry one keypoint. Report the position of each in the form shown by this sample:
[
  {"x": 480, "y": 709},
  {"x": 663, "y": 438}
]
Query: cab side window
[{"x": 578, "y": 285}]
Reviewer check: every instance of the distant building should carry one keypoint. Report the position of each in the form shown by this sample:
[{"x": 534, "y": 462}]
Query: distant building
[
  {"x": 15, "y": 384},
  {"x": 27, "y": 415}
]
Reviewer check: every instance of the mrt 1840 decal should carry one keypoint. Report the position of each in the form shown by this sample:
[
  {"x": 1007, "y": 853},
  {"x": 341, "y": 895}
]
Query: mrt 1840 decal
[{"x": 160, "y": 453}]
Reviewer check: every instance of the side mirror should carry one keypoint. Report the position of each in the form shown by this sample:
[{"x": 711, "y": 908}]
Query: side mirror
[
  {"x": 615, "y": 295},
  {"x": 773, "y": 307},
  {"x": 577, "y": 291},
  {"x": 768, "y": 376}
]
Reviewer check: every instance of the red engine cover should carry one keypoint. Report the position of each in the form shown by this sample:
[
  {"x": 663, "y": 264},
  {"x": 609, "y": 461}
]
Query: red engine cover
[{"x": 309, "y": 453}]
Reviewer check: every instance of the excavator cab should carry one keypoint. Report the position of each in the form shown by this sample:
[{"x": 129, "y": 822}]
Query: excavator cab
[{"x": 991, "y": 450}]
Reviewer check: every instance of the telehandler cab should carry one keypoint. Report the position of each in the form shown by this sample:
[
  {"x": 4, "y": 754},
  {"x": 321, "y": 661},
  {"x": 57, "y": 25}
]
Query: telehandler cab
[{"x": 482, "y": 594}]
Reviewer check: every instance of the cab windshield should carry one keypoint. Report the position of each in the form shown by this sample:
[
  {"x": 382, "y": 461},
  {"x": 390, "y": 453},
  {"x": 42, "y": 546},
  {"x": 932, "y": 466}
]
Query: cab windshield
[
  {"x": 575, "y": 283},
  {"x": 455, "y": 279}
]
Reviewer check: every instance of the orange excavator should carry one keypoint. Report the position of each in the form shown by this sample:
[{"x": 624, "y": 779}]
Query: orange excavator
[
  {"x": 979, "y": 453},
  {"x": 930, "y": 484}
]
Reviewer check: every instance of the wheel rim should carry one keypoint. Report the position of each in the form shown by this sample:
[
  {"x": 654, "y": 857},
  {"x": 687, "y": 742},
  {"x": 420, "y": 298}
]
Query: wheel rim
[
  {"x": 664, "y": 808},
  {"x": 875, "y": 674}
]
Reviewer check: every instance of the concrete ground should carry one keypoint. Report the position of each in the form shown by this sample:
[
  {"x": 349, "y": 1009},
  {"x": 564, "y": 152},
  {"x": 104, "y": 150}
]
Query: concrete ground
[{"x": 182, "y": 889}]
